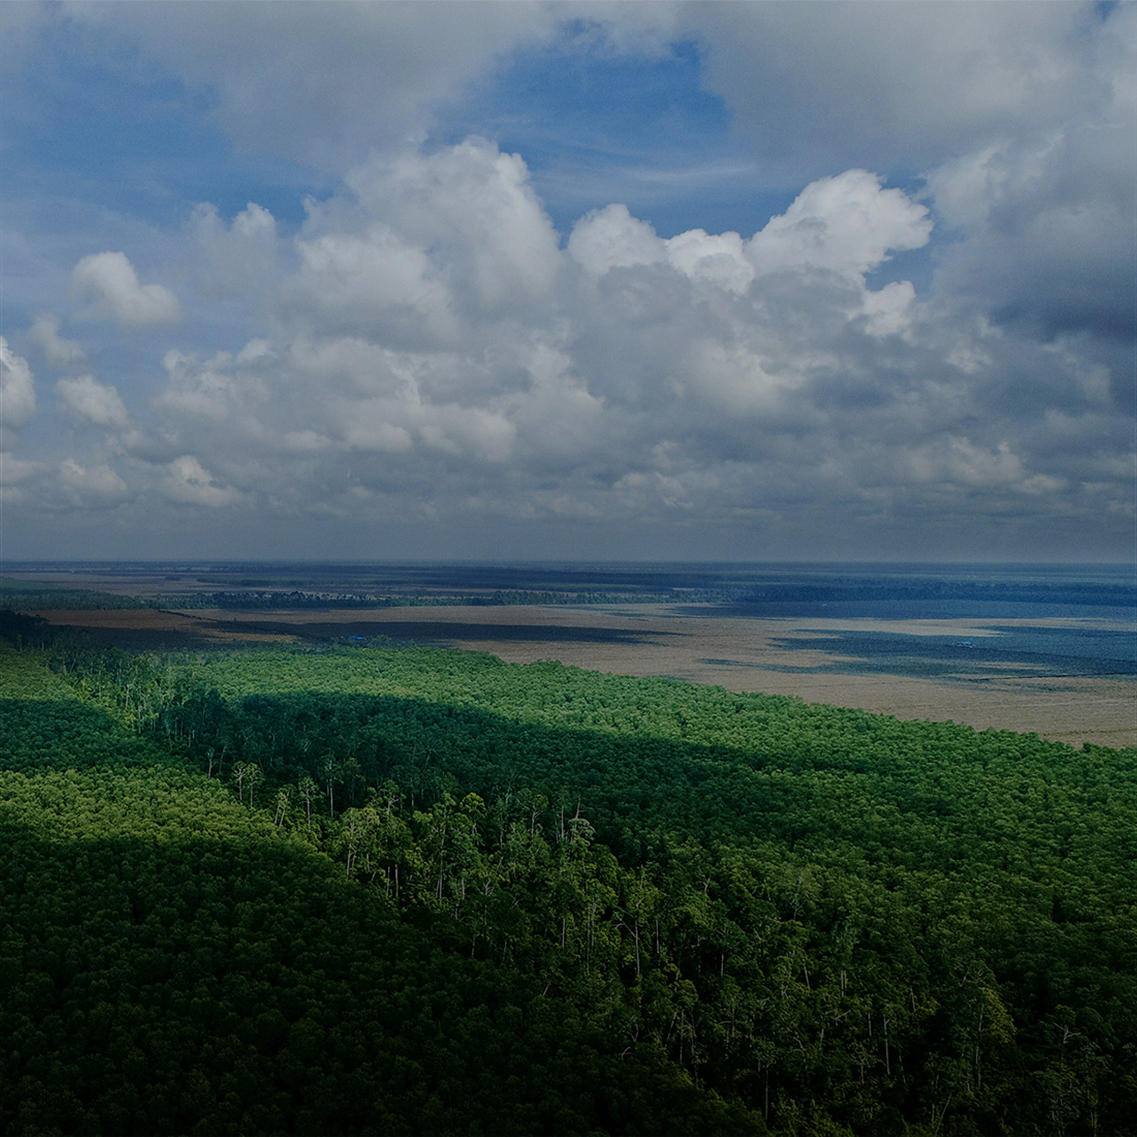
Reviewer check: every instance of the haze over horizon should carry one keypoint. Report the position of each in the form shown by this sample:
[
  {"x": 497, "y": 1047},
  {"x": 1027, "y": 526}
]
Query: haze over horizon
[{"x": 568, "y": 281}]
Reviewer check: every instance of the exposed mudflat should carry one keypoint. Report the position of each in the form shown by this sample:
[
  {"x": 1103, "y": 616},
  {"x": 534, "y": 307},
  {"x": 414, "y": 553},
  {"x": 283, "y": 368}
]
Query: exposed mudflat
[{"x": 817, "y": 659}]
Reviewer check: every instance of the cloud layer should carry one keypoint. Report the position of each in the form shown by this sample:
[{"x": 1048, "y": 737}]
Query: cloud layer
[
  {"x": 111, "y": 289},
  {"x": 426, "y": 358}
]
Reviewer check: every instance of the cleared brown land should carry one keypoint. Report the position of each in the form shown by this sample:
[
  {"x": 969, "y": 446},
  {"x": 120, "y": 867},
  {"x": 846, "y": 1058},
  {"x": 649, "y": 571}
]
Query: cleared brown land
[
  {"x": 147, "y": 629},
  {"x": 732, "y": 652}
]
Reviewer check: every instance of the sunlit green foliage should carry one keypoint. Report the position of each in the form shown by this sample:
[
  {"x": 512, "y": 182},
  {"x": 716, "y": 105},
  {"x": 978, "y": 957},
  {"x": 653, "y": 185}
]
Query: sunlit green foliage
[{"x": 425, "y": 891}]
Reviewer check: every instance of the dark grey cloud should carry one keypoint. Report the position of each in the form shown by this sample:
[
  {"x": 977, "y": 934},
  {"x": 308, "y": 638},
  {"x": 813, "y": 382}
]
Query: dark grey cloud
[
  {"x": 1022, "y": 118},
  {"x": 892, "y": 86}
]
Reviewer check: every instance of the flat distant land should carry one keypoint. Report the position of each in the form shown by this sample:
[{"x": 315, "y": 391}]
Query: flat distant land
[{"x": 1051, "y": 654}]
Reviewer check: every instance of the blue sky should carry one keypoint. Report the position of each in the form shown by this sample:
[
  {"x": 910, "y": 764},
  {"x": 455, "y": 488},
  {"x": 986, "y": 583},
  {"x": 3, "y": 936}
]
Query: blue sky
[
  {"x": 529, "y": 280},
  {"x": 594, "y": 128}
]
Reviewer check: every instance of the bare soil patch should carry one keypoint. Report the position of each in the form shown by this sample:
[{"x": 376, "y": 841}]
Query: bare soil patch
[
  {"x": 738, "y": 653},
  {"x": 149, "y": 629}
]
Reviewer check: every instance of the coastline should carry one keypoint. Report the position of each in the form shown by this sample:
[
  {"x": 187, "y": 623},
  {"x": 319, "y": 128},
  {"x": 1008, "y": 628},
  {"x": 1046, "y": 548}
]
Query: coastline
[{"x": 779, "y": 656}]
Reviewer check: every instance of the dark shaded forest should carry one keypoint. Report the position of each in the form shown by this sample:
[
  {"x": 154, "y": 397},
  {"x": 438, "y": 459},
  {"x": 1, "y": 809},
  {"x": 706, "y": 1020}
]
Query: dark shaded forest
[{"x": 373, "y": 890}]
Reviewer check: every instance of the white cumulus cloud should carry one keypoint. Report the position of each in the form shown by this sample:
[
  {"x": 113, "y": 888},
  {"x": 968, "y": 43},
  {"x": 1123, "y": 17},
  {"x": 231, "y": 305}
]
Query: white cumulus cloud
[
  {"x": 472, "y": 207},
  {"x": 58, "y": 352},
  {"x": 233, "y": 257},
  {"x": 434, "y": 354},
  {"x": 110, "y": 285},
  {"x": 612, "y": 238},
  {"x": 98, "y": 403},
  {"x": 188, "y": 482},
  {"x": 17, "y": 469},
  {"x": 91, "y": 486},
  {"x": 846, "y": 224},
  {"x": 17, "y": 388}
]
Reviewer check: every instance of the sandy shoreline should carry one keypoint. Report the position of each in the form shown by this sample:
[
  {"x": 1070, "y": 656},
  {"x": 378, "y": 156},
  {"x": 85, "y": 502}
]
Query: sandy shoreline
[{"x": 738, "y": 653}]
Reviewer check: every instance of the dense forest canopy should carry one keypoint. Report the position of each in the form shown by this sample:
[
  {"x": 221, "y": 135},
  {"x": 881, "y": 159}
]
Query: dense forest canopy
[{"x": 400, "y": 891}]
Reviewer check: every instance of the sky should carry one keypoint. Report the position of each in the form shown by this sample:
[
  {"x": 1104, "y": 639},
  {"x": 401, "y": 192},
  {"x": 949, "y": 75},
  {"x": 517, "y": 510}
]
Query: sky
[{"x": 568, "y": 281}]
